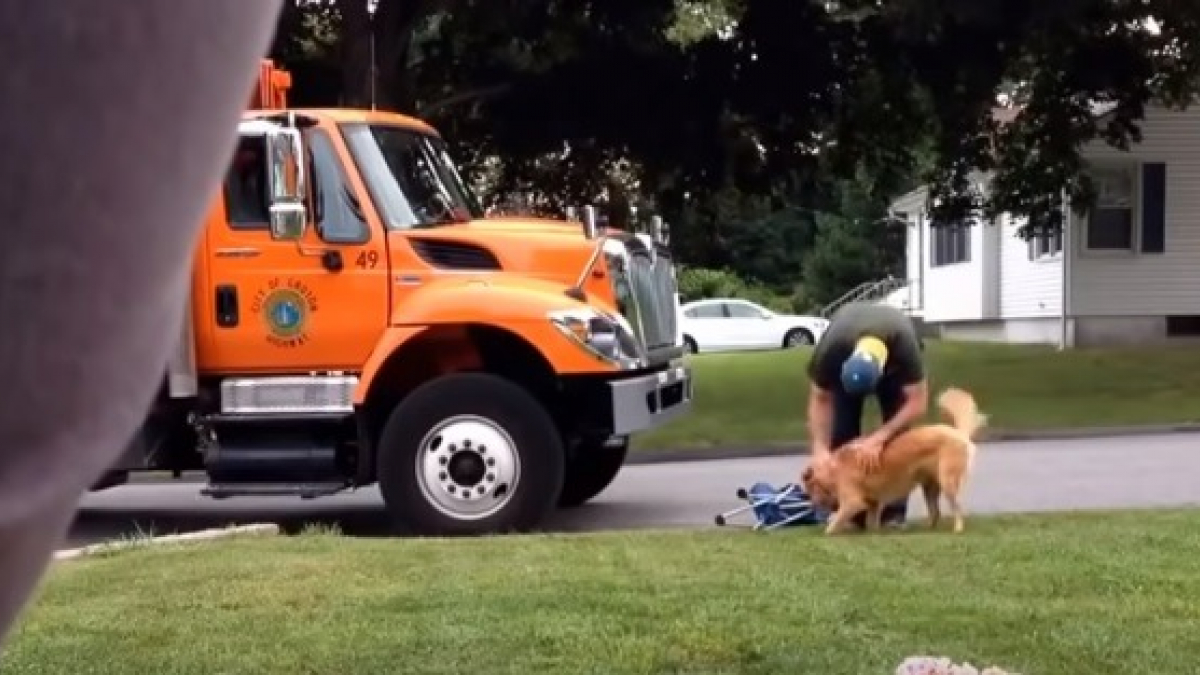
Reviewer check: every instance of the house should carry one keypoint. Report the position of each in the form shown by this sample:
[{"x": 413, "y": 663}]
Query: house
[{"x": 1129, "y": 271}]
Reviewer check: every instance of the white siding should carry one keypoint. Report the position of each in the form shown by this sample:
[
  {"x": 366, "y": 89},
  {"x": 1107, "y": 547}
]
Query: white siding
[
  {"x": 991, "y": 236},
  {"x": 911, "y": 206},
  {"x": 912, "y": 264},
  {"x": 949, "y": 292},
  {"x": 1028, "y": 288},
  {"x": 956, "y": 292},
  {"x": 1137, "y": 284},
  {"x": 965, "y": 291}
]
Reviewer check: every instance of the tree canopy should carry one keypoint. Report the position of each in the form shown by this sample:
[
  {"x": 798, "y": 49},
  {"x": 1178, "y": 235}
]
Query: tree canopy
[
  {"x": 691, "y": 95},
  {"x": 741, "y": 121}
]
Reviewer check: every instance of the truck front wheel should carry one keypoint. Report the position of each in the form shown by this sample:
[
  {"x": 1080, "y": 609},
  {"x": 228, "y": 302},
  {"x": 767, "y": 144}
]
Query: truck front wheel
[
  {"x": 591, "y": 469},
  {"x": 469, "y": 454}
]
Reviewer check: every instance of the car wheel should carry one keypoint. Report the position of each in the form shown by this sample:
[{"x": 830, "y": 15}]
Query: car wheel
[
  {"x": 797, "y": 337},
  {"x": 469, "y": 454},
  {"x": 591, "y": 468}
]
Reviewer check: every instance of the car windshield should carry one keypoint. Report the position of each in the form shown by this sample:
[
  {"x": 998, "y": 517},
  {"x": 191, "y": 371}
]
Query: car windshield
[{"x": 410, "y": 176}]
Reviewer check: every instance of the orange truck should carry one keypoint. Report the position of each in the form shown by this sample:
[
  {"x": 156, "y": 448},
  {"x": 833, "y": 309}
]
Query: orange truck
[{"x": 356, "y": 319}]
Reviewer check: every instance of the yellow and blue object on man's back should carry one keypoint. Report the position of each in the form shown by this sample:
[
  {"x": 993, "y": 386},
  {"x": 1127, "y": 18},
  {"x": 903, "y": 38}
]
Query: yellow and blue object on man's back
[{"x": 863, "y": 368}]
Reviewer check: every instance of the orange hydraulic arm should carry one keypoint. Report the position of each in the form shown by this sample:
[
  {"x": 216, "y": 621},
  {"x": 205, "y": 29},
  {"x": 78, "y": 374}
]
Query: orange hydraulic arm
[{"x": 270, "y": 93}]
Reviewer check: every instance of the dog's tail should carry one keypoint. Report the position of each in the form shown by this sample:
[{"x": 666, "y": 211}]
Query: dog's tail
[{"x": 959, "y": 409}]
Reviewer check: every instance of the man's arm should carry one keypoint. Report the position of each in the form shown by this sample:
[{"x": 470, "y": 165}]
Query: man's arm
[
  {"x": 910, "y": 371},
  {"x": 916, "y": 403},
  {"x": 820, "y": 419}
]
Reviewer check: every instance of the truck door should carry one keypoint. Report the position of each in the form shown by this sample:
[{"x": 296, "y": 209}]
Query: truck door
[{"x": 320, "y": 303}]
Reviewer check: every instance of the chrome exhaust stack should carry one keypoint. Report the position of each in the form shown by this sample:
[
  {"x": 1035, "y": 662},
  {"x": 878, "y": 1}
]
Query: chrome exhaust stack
[{"x": 591, "y": 226}]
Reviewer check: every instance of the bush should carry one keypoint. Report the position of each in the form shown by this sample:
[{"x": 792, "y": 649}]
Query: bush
[
  {"x": 696, "y": 283},
  {"x": 772, "y": 301}
]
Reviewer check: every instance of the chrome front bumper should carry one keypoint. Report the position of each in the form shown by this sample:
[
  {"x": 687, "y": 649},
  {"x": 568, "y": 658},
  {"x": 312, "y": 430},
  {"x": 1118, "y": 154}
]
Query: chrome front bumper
[{"x": 648, "y": 401}]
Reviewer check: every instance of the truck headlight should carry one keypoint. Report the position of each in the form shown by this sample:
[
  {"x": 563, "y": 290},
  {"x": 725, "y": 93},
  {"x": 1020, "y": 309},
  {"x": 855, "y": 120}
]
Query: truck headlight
[{"x": 605, "y": 335}]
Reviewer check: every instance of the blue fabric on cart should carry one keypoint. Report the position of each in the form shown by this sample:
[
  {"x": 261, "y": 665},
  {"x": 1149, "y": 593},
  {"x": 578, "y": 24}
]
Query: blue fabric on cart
[{"x": 771, "y": 508}]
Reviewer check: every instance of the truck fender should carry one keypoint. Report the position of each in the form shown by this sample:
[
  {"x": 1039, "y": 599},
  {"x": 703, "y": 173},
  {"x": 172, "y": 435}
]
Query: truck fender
[{"x": 517, "y": 308}]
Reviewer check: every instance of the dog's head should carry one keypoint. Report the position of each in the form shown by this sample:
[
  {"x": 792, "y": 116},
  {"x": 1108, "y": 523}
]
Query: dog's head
[{"x": 818, "y": 483}]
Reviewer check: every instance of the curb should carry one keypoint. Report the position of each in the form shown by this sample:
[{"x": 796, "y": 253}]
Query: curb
[
  {"x": 801, "y": 449},
  {"x": 261, "y": 529}
]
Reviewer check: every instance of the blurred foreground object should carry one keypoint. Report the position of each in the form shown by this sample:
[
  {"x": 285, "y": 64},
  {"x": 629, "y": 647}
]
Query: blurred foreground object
[{"x": 119, "y": 119}]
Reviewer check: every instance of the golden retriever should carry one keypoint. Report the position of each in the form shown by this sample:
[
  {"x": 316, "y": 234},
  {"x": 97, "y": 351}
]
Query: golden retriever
[{"x": 936, "y": 457}]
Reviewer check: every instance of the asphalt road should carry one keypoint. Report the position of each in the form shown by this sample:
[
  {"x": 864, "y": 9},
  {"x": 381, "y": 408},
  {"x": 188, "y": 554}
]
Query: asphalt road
[{"x": 1129, "y": 471}]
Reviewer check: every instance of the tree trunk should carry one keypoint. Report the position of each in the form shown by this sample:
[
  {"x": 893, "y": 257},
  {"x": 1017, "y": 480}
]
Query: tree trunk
[
  {"x": 355, "y": 53},
  {"x": 396, "y": 24}
]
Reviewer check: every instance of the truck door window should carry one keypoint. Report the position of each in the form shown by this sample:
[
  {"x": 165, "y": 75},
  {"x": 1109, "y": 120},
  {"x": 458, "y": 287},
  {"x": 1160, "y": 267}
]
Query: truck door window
[
  {"x": 336, "y": 210},
  {"x": 246, "y": 185}
]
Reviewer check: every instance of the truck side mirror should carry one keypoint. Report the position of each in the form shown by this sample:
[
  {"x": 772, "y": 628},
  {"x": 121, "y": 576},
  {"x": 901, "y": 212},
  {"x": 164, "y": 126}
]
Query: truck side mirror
[{"x": 286, "y": 183}]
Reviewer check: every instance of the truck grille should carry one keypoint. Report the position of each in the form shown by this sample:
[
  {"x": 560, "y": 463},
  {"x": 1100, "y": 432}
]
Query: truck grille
[{"x": 652, "y": 287}]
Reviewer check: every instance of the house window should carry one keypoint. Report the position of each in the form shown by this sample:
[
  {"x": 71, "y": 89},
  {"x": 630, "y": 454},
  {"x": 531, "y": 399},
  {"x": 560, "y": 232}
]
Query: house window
[
  {"x": 1046, "y": 245},
  {"x": 1110, "y": 223},
  {"x": 949, "y": 245}
]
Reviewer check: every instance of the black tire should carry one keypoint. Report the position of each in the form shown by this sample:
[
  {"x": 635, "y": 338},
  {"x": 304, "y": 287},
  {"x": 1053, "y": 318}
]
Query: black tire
[
  {"x": 689, "y": 345},
  {"x": 798, "y": 337},
  {"x": 591, "y": 468},
  {"x": 496, "y": 404}
]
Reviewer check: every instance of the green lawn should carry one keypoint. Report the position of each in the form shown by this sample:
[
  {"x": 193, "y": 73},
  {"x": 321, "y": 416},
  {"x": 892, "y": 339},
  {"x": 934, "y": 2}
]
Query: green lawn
[
  {"x": 1101, "y": 593},
  {"x": 758, "y": 398}
]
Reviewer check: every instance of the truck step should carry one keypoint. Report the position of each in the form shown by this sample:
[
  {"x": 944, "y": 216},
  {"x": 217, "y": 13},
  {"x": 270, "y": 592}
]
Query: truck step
[
  {"x": 267, "y": 418},
  {"x": 301, "y": 490}
]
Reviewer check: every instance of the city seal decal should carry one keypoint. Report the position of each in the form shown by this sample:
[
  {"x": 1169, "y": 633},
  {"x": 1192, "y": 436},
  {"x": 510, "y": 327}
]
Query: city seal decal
[{"x": 286, "y": 306}]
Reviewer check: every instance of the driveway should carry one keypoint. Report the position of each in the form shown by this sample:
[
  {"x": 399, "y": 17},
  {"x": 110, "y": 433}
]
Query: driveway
[{"x": 1129, "y": 471}]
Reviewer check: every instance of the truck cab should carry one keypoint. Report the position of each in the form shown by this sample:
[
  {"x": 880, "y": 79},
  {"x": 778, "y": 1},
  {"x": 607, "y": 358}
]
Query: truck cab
[{"x": 355, "y": 318}]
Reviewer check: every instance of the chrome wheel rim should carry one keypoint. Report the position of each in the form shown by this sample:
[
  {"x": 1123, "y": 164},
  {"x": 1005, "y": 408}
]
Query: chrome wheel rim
[{"x": 468, "y": 467}]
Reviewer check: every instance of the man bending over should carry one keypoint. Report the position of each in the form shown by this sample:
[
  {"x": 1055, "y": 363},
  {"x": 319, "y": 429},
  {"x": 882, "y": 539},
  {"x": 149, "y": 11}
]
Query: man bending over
[{"x": 867, "y": 349}]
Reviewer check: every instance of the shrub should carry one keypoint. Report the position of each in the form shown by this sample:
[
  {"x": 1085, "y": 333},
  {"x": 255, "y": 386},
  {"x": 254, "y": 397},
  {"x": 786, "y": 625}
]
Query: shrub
[{"x": 696, "y": 283}]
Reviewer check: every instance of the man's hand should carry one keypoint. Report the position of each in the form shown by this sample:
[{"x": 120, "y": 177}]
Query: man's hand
[
  {"x": 868, "y": 449},
  {"x": 818, "y": 462}
]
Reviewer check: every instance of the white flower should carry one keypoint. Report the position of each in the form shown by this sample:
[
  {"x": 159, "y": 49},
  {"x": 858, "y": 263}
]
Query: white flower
[{"x": 929, "y": 665}]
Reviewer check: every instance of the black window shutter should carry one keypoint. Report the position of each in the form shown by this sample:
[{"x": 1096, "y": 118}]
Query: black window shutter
[{"x": 1154, "y": 207}]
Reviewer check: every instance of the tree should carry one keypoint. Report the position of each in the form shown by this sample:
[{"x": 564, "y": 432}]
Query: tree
[
  {"x": 1059, "y": 61},
  {"x": 858, "y": 243},
  {"x": 900, "y": 88},
  {"x": 683, "y": 98}
]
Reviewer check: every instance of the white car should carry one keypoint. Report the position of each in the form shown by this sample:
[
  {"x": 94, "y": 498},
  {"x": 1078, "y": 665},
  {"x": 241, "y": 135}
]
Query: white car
[{"x": 733, "y": 324}]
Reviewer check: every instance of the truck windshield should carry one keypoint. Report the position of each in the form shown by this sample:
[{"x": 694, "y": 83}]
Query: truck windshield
[{"x": 410, "y": 176}]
